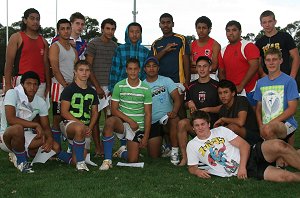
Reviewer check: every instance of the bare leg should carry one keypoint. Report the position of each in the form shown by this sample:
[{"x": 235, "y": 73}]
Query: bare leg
[
  {"x": 172, "y": 126},
  {"x": 154, "y": 145},
  {"x": 184, "y": 127},
  {"x": 241, "y": 131},
  {"x": 274, "y": 149},
  {"x": 279, "y": 175},
  {"x": 133, "y": 151}
]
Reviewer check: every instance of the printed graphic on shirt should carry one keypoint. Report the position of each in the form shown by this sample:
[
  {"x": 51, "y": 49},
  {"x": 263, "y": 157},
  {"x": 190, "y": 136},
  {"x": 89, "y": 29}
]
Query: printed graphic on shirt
[
  {"x": 217, "y": 156},
  {"x": 272, "y": 102}
]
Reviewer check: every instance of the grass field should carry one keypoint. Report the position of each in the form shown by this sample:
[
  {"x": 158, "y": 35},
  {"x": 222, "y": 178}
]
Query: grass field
[{"x": 158, "y": 178}]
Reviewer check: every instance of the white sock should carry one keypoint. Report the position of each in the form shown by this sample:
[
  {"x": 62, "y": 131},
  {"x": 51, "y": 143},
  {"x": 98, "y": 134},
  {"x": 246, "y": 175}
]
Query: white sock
[{"x": 174, "y": 150}]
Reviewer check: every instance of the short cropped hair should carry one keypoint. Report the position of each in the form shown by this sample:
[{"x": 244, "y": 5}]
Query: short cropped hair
[
  {"x": 273, "y": 51},
  {"x": 200, "y": 115},
  {"x": 166, "y": 15},
  {"x": 206, "y": 58},
  {"x": 81, "y": 62},
  {"x": 109, "y": 21},
  {"x": 205, "y": 20},
  {"x": 30, "y": 74},
  {"x": 267, "y": 13},
  {"x": 61, "y": 21},
  {"x": 76, "y": 15},
  {"x": 233, "y": 23},
  {"x": 135, "y": 24},
  {"x": 26, "y": 15},
  {"x": 133, "y": 60},
  {"x": 228, "y": 84}
]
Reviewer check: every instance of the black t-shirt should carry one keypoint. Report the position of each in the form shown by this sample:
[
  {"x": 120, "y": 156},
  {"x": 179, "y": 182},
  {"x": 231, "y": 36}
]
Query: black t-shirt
[
  {"x": 81, "y": 101},
  {"x": 204, "y": 95},
  {"x": 282, "y": 41},
  {"x": 241, "y": 104}
]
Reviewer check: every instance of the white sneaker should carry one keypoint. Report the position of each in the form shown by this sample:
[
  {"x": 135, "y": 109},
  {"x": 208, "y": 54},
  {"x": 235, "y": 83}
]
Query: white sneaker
[
  {"x": 119, "y": 152},
  {"x": 25, "y": 167},
  {"x": 81, "y": 166},
  {"x": 12, "y": 158},
  {"x": 175, "y": 158},
  {"x": 106, "y": 164},
  {"x": 89, "y": 161}
]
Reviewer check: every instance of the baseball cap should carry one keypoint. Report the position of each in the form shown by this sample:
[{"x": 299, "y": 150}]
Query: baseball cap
[{"x": 153, "y": 59}]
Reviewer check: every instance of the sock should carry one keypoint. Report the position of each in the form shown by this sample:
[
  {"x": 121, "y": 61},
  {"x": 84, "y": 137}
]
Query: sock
[
  {"x": 174, "y": 150},
  {"x": 123, "y": 141},
  {"x": 108, "y": 143},
  {"x": 78, "y": 148},
  {"x": 56, "y": 135},
  {"x": 87, "y": 145},
  {"x": 65, "y": 157},
  {"x": 21, "y": 156}
]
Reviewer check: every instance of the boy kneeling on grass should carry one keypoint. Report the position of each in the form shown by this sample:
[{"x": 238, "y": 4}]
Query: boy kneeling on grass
[
  {"x": 79, "y": 108},
  {"x": 131, "y": 107},
  {"x": 25, "y": 124},
  {"x": 226, "y": 154}
]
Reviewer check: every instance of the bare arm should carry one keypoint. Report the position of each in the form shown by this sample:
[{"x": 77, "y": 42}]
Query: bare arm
[
  {"x": 176, "y": 104},
  {"x": 12, "y": 119},
  {"x": 194, "y": 170},
  {"x": 94, "y": 116},
  {"x": 47, "y": 68},
  {"x": 48, "y": 144},
  {"x": 294, "y": 53},
  {"x": 54, "y": 62},
  {"x": 11, "y": 50},
  {"x": 261, "y": 72},
  {"x": 253, "y": 68},
  {"x": 147, "y": 125},
  {"x": 222, "y": 74},
  {"x": 99, "y": 90},
  {"x": 186, "y": 68},
  {"x": 215, "y": 62},
  {"x": 240, "y": 120},
  {"x": 258, "y": 113},
  {"x": 244, "y": 148}
]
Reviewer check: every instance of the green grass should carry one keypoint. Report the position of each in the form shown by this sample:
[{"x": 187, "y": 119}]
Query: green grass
[{"x": 158, "y": 178}]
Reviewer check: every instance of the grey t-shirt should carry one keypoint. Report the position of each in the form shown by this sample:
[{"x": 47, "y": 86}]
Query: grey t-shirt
[{"x": 102, "y": 53}]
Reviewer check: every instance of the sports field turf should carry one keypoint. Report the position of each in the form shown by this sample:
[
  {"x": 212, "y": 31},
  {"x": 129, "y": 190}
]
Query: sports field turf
[{"x": 158, "y": 178}]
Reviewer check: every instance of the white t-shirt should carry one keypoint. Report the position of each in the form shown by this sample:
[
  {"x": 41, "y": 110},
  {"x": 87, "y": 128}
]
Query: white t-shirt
[
  {"x": 27, "y": 111},
  {"x": 216, "y": 151}
]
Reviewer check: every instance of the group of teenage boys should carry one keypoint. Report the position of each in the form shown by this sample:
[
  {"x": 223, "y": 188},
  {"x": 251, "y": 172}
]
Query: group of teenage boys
[{"x": 242, "y": 98}]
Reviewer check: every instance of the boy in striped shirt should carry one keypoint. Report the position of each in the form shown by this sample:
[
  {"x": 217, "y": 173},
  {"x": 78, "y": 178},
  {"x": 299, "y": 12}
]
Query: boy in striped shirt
[{"x": 131, "y": 107}]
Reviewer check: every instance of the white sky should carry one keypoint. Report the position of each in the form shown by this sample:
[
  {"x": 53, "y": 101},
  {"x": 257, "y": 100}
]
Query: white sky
[{"x": 184, "y": 13}]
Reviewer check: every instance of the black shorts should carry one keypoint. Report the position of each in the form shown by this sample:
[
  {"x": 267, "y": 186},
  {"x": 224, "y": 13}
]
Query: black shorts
[
  {"x": 138, "y": 136},
  {"x": 252, "y": 137},
  {"x": 156, "y": 130},
  {"x": 56, "y": 108},
  {"x": 257, "y": 164}
]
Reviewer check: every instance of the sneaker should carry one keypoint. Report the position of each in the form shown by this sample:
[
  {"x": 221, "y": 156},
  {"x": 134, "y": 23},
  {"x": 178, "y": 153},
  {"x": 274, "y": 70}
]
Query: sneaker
[
  {"x": 119, "y": 152},
  {"x": 106, "y": 164},
  {"x": 25, "y": 167},
  {"x": 81, "y": 166},
  {"x": 13, "y": 159},
  {"x": 166, "y": 152},
  {"x": 175, "y": 158}
]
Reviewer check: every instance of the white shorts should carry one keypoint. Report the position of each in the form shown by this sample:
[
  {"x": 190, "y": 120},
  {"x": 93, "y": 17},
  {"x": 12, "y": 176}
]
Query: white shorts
[
  {"x": 128, "y": 132},
  {"x": 29, "y": 135},
  {"x": 105, "y": 101},
  {"x": 63, "y": 125},
  {"x": 289, "y": 128}
]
